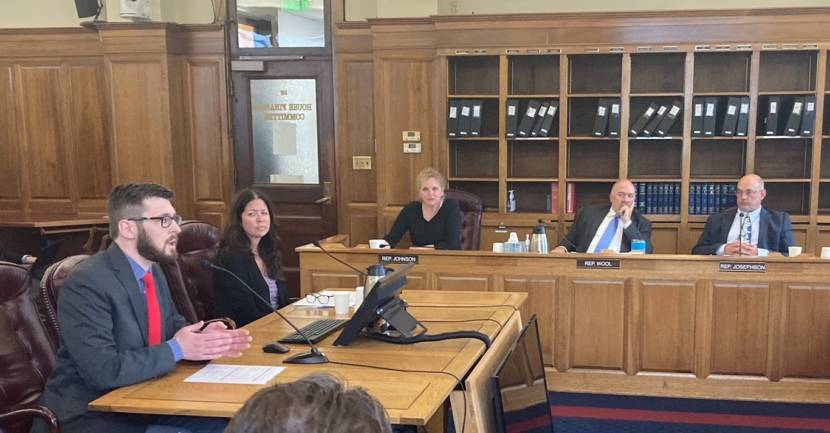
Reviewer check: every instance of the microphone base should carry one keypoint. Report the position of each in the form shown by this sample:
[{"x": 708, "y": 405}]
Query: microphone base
[{"x": 313, "y": 357}]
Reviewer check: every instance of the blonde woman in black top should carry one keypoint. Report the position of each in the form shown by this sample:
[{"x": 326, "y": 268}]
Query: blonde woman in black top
[{"x": 432, "y": 221}]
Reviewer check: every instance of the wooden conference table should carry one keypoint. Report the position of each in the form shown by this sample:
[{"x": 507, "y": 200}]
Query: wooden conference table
[{"x": 409, "y": 398}]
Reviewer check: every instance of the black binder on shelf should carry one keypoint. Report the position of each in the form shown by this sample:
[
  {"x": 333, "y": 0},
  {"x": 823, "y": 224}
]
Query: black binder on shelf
[
  {"x": 477, "y": 105},
  {"x": 614, "y": 118},
  {"x": 601, "y": 118},
  {"x": 540, "y": 117},
  {"x": 771, "y": 121},
  {"x": 651, "y": 126},
  {"x": 528, "y": 118},
  {"x": 464, "y": 113},
  {"x": 794, "y": 120},
  {"x": 710, "y": 111},
  {"x": 512, "y": 117},
  {"x": 452, "y": 118},
  {"x": 730, "y": 116},
  {"x": 808, "y": 117},
  {"x": 669, "y": 118},
  {"x": 547, "y": 122},
  {"x": 698, "y": 104},
  {"x": 641, "y": 122},
  {"x": 743, "y": 117}
]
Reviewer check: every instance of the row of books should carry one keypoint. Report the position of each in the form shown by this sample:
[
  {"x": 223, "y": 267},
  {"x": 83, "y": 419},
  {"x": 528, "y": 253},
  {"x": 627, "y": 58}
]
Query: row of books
[
  {"x": 656, "y": 120},
  {"x": 708, "y": 198},
  {"x": 464, "y": 119},
  {"x": 607, "y": 118},
  {"x": 537, "y": 120},
  {"x": 661, "y": 198},
  {"x": 799, "y": 111}
]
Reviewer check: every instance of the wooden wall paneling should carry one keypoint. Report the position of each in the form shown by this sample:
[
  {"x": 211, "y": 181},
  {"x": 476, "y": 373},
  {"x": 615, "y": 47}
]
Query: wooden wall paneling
[
  {"x": 740, "y": 334},
  {"x": 356, "y": 131},
  {"x": 541, "y": 300},
  {"x": 211, "y": 166},
  {"x": 800, "y": 235},
  {"x": 363, "y": 223},
  {"x": 405, "y": 81},
  {"x": 141, "y": 121},
  {"x": 822, "y": 239},
  {"x": 178, "y": 145},
  {"x": 668, "y": 325},
  {"x": 44, "y": 115},
  {"x": 11, "y": 194},
  {"x": 665, "y": 238},
  {"x": 90, "y": 134},
  {"x": 807, "y": 309},
  {"x": 597, "y": 339}
]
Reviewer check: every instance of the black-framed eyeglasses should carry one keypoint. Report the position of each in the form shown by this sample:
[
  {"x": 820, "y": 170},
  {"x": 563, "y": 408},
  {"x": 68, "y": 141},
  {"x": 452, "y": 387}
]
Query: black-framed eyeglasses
[
  {"x": 165, "y": 220},
  {"x": 317, "y": 297}
]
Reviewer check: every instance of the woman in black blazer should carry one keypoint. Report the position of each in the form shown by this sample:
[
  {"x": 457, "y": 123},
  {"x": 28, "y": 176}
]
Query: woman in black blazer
[{"x": 250, "y": 248}]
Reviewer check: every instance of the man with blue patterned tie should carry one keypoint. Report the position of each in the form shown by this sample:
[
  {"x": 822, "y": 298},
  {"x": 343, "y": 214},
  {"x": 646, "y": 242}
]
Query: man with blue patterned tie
[
  {"x": 748, "y": 230},
  {"x": 598, "y": 228}
]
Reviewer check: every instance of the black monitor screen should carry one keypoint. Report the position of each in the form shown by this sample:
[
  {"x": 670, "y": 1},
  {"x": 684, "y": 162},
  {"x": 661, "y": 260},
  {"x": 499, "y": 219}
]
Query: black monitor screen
[
  {"x": 520, "y": 392},
  {"x": 386, "y": 289}
]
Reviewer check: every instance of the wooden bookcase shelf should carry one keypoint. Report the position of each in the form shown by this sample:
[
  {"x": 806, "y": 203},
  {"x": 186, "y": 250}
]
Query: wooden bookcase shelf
[{"x": 572, "y": 167}]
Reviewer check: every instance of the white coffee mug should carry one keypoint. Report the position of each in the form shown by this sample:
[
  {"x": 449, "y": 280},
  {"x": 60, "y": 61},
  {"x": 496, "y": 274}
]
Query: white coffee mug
[
  {"x": 358, "y": 296},
  {"x": 825, "y": 252},
  {"x": 498, "y": 247},
  {"x": 794, "y": 251},
  {"x": 341, "y": 302},
  {"x": 378, "y": 244}
]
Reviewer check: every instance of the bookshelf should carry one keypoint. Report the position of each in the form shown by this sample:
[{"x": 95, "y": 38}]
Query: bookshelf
[{"x": 573, "y": 166}]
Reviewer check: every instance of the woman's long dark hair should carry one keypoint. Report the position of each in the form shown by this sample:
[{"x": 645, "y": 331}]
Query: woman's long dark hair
[{"x": 235, "y": 240}]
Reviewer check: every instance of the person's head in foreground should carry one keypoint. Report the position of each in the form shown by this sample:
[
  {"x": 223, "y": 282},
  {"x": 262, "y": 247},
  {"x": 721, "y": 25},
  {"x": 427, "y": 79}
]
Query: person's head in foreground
[{"x": 317, "y": 403}]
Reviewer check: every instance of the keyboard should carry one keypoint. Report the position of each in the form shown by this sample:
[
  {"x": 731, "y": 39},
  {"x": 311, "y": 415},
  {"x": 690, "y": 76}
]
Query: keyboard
[{"x": 316, "y": 331}]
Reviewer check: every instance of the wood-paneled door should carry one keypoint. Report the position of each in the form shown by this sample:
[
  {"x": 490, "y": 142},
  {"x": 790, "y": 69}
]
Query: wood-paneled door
[
  {"x": 275, "y": 149},
  {"x": 283, "y": 103}
]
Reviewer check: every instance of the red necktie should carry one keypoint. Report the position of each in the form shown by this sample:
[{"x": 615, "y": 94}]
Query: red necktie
[{"x": 153, "y": 310}]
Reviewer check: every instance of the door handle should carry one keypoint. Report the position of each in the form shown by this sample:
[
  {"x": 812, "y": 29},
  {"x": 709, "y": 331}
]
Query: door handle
[{"x": 323, "y": 200}]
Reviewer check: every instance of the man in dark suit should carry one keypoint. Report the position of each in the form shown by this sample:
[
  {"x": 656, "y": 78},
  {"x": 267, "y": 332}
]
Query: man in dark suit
[
  {"x": 748, "y": 230},
  {"x": 608, "y": 227},
  {"x": 119, "y": 325}
]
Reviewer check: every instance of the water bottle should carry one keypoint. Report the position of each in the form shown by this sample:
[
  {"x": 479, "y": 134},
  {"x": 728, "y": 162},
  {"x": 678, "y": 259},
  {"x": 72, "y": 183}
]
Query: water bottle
[
  {"x": 539, "y": 241},
  {"x": 511, "y": 201},
  {"x": 373, "y": 274}
]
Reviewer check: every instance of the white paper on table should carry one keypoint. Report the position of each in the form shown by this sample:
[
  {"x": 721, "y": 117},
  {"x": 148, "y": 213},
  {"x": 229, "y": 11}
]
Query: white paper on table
[
  {"x": 316, "y": 304},
  {"x": 238, "y": 374}
]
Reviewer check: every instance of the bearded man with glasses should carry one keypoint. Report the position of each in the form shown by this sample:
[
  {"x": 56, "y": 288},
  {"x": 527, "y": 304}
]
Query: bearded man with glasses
[
  {"x": 119, "y": 325},
  {"x": 751, "y": 229}
]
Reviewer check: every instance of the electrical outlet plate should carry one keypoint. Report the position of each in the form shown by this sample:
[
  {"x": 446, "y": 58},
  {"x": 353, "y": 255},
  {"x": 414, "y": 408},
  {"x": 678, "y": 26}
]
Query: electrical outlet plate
[{"x": 361, "y": 162}]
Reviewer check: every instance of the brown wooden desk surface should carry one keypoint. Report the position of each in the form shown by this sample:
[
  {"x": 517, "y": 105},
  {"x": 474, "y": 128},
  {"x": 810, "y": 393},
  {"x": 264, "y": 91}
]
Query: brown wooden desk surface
[
  {"x": 36, "y": 222},
  {"x": 409, "y": 398}
]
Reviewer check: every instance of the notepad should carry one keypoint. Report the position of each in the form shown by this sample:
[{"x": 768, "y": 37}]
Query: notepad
[{"x": 235, "y": 374}]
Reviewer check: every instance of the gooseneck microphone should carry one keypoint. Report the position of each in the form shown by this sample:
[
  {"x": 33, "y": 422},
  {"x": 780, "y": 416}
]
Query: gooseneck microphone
[
  {"x": 314, "y": 356},
  {"x": 332, "y": 256}
]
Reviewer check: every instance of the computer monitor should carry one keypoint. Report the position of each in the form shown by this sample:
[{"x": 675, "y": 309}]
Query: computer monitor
[
  {"x": 520, "y": 392},
  {"x": 381, "y": 302}
]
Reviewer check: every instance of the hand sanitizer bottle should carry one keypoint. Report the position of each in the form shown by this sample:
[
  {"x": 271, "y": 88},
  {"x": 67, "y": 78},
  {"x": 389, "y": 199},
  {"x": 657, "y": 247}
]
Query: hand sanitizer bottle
[{"x": 511, "y": 201}]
